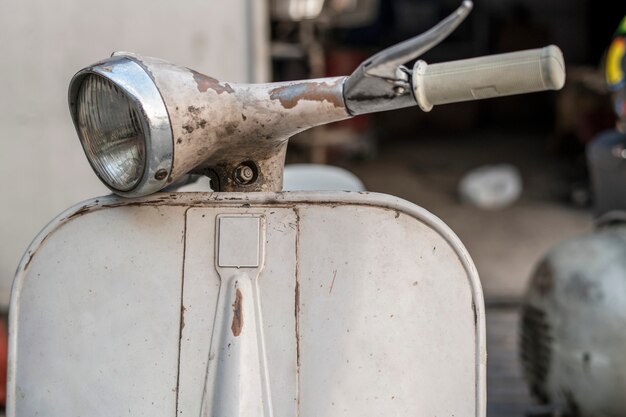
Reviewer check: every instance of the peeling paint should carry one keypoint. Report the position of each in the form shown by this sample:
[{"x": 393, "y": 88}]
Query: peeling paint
[
  {"x": 237, "y": 324},
  {"x": 83, "y": 210},
  {"x": 204, "y": 83},
  {"x": 182, "y": 306},
  {"x": 297, "y": 309},
  {"x": 182, "y": 318},
  {"x": 290, "y": 95}
]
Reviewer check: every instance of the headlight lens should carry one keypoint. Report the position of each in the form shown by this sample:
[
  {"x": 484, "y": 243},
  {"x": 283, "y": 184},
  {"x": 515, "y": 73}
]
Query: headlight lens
[{"x": 111, "y": 132}]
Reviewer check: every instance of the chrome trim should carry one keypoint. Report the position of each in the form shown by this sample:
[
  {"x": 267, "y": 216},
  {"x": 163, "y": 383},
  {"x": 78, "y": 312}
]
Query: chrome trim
[{"x": 135, "y": 81}]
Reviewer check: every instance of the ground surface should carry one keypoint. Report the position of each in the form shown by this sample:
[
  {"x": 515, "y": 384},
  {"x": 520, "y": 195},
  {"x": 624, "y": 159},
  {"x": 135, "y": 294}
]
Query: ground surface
[{"x": 507, "y": 393}]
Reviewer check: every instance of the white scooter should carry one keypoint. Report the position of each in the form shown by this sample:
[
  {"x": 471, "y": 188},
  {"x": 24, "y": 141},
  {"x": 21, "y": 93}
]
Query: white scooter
[{"x": 249, "y": 301}]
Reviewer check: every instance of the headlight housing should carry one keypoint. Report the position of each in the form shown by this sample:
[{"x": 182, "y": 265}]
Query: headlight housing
[{"x": 123, "y": 126}]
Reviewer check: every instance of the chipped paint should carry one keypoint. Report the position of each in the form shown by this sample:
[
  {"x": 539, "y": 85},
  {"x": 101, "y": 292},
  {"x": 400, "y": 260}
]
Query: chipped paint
[
  {"x": 290, "y": 95},
  {"x": 182, "y": 306},
  {"x": 204, "y": 83},
  {"x": 237, "y": 324},
  {"x": 297, "y": 309}
]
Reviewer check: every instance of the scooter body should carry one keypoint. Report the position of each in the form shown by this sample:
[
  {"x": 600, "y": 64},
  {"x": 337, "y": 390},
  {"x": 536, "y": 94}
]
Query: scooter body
[{"x": 247, "y": 304}]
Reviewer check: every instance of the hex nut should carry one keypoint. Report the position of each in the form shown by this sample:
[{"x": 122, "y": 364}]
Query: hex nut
[{"x": 245, "y": 173}]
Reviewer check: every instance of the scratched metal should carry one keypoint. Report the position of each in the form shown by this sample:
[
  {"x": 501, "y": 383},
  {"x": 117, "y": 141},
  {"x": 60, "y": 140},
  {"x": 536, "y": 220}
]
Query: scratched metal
[
  {"x": 219, "y": 124},
  {"x": 361, "y": 305}
]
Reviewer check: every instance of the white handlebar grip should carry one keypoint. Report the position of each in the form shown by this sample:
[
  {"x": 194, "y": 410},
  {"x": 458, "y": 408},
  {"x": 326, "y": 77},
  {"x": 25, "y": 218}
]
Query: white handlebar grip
[{"x": 488, "y": 76}]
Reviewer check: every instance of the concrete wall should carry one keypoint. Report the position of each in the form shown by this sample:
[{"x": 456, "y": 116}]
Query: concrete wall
[{"x": 43, "y": 43}]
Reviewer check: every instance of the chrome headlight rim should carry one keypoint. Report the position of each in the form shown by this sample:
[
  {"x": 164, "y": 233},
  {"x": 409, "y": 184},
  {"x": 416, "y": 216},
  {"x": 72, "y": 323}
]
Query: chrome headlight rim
[{"x": 136, "y": 83}]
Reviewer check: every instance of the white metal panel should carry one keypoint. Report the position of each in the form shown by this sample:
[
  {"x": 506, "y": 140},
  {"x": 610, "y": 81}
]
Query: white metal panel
[
  {"x": 387, "y": 309},
  {"x": 361, "y": 305},
  {"x": 201, "y": 291},
  {"x": 201, "y": 287},
  {"x": 94, "y": 332}
]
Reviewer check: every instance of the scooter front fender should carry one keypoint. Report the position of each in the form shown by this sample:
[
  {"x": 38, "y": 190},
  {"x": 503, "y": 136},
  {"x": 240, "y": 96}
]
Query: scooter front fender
[{"x": 233, "y": 304}]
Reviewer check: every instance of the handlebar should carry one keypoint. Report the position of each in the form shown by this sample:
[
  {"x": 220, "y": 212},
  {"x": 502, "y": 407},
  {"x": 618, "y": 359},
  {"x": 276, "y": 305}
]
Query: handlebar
[
  {"x": 382, "y": 82},
  {"x": 224, "y": 130},
  {"x": 489, "y": 76}
]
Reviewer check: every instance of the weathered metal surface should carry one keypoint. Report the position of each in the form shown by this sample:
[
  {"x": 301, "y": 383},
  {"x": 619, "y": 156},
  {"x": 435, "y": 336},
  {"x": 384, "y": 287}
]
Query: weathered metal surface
[
  {"x": 361, "y": 304},
  {"x": 199, "y": 123},
  {"x": 572, "y": 341},
  {"x": 219, "y": 125},
  {"x": 91, "y": 322}
]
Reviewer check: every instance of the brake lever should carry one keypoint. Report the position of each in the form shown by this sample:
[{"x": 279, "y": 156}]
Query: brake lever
[
  {"x": 385, "y": 63},
  {"x": 382, "y": 82}
]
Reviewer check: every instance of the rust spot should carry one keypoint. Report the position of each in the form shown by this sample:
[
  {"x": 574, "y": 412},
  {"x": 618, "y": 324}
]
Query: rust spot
[
  {"x": 83, "y": 210},
  {"x": 230, "y": 128},
  {"x": 237, "y": 324},
  {"x": 205, "y": 82},
  {"x": 179, "y": 140},
  {"x": 290, "y": 95},
  {"x": 188, "y": 128},
  {"x": 30, "y": 258},
  {"x": 297, "y": 302}
]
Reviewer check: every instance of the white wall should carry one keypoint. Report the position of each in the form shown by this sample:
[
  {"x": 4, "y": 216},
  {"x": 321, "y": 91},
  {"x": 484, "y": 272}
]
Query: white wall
[{"x": 43, "y": 43}]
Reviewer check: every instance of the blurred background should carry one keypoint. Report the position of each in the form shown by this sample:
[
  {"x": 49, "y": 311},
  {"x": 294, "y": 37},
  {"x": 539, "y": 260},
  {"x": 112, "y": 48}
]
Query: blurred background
[{"x": 531, "y": 146}]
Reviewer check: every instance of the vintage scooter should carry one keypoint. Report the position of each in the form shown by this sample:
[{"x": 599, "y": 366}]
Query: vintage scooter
[
  {"x": 249, "y": 301},
  {"x": 572, "y": 339}
]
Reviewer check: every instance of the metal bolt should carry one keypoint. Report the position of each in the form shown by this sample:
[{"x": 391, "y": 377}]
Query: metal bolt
[
  {"x": 399, "y": 90},
  {"x": 160, "y": 175},
  {"x": 244, "y": 174}
]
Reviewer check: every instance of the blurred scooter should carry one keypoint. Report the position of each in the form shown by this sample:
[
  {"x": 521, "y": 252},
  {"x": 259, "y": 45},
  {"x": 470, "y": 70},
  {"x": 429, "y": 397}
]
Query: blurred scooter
[{"x": 572, "y": 327}]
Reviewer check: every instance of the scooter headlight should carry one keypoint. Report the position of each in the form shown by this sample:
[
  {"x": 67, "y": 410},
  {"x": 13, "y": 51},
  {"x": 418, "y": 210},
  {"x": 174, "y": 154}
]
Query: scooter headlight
[
  {"x": 110, "y": 129},
  {"x": 123, "y": 125}
]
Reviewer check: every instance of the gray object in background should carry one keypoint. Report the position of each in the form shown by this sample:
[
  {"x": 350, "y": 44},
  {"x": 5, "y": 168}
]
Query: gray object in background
[
  {"x": 607, "y": 165},
  {"x": 572, "y": 326}
]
